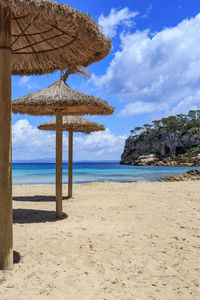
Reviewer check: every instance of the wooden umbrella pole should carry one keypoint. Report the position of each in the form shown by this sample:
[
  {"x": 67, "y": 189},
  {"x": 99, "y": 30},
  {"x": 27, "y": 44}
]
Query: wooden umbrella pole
[
  {"x": 70, "y": 164},
  {"x": 59, "y": 164},
  {"x": 6, "y": 235}
]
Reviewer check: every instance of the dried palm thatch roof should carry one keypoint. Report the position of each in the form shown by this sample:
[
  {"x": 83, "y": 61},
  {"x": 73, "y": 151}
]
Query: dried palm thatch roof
[
  {"x": 47, "y": 36},
  {"x": 73, "y": 123},
  {"x": 59, "y": 96},
  {"x": 75, "y": 70}
]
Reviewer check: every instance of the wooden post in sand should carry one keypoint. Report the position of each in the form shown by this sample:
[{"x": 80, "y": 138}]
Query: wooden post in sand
[
  {"x": 6, "y": 235},
  {"x": 59, "y": 164},
  {"x": 70, "y": 165}
]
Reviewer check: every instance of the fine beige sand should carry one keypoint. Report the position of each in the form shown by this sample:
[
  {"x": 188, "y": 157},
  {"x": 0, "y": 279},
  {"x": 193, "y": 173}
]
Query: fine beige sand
[{"x": 122, "y": 241}]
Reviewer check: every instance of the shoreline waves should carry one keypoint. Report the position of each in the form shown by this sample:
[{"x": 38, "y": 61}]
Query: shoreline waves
[{"x": 84, "y": 172}]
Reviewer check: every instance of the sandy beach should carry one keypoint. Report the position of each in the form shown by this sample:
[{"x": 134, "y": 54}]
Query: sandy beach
[{"x": 122, "y": 241}]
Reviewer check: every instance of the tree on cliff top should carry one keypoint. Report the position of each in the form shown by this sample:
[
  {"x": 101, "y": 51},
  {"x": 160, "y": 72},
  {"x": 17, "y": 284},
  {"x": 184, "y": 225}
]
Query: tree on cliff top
[{"x": 171, "y": 123}]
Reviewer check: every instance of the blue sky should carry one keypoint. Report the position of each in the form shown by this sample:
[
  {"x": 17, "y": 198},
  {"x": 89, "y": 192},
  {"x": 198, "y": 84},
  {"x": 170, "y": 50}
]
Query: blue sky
[{"x": 152, "y": 71}]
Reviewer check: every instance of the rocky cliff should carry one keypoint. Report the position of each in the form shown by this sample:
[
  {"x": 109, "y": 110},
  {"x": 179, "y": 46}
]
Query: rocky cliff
[
  {"x": 162, "y": 146},
  {"x": 189, "y": 175}
]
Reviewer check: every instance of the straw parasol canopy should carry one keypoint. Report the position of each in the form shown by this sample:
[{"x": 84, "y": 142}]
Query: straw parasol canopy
[
  {"x": 72, "y": 124},
  {"x": 47, "y": 36},
  {"x": 59, "y": 96}
]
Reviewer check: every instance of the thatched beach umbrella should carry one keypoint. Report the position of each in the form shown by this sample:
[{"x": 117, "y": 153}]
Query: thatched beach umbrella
[
  {"x": 46, "y": 36},
  {"x": 59, "y": 99},
  {"x": 36, "y": 37},
  {"x": 72, "y": 124}
]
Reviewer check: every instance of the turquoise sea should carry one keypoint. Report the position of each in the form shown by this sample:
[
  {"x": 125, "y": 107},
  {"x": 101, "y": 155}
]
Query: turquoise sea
[{"x": 44, "y": 173}]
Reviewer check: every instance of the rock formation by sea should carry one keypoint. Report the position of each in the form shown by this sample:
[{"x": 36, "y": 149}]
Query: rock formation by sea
[{"x": 168, "y": 143}]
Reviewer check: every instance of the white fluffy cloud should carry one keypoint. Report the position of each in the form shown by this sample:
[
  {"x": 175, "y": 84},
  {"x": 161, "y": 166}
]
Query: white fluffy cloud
[
  {"x": 24, "y": 80},
  {"x": 28, "y": 82},
  {"x": 157, "y": 72},
  {"x": 114, "y": 19},
  {"x": 101, "y": 145},
  {"x": 29, "y": 143},
  {"x": 140, "y": 107},
  {"x": 148, "y": 11}
]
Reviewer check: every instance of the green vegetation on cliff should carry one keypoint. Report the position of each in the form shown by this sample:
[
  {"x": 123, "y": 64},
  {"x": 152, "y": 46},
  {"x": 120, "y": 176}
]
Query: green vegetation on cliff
[{"x": 171, "y": 123}]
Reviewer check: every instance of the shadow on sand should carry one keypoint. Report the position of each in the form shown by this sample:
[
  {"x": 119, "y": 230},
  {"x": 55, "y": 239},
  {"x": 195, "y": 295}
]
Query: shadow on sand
[
  {"x": 16, "y": 257},
  {"x": 23, "y": 216},
  {"x": 37, "y": 198}
]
